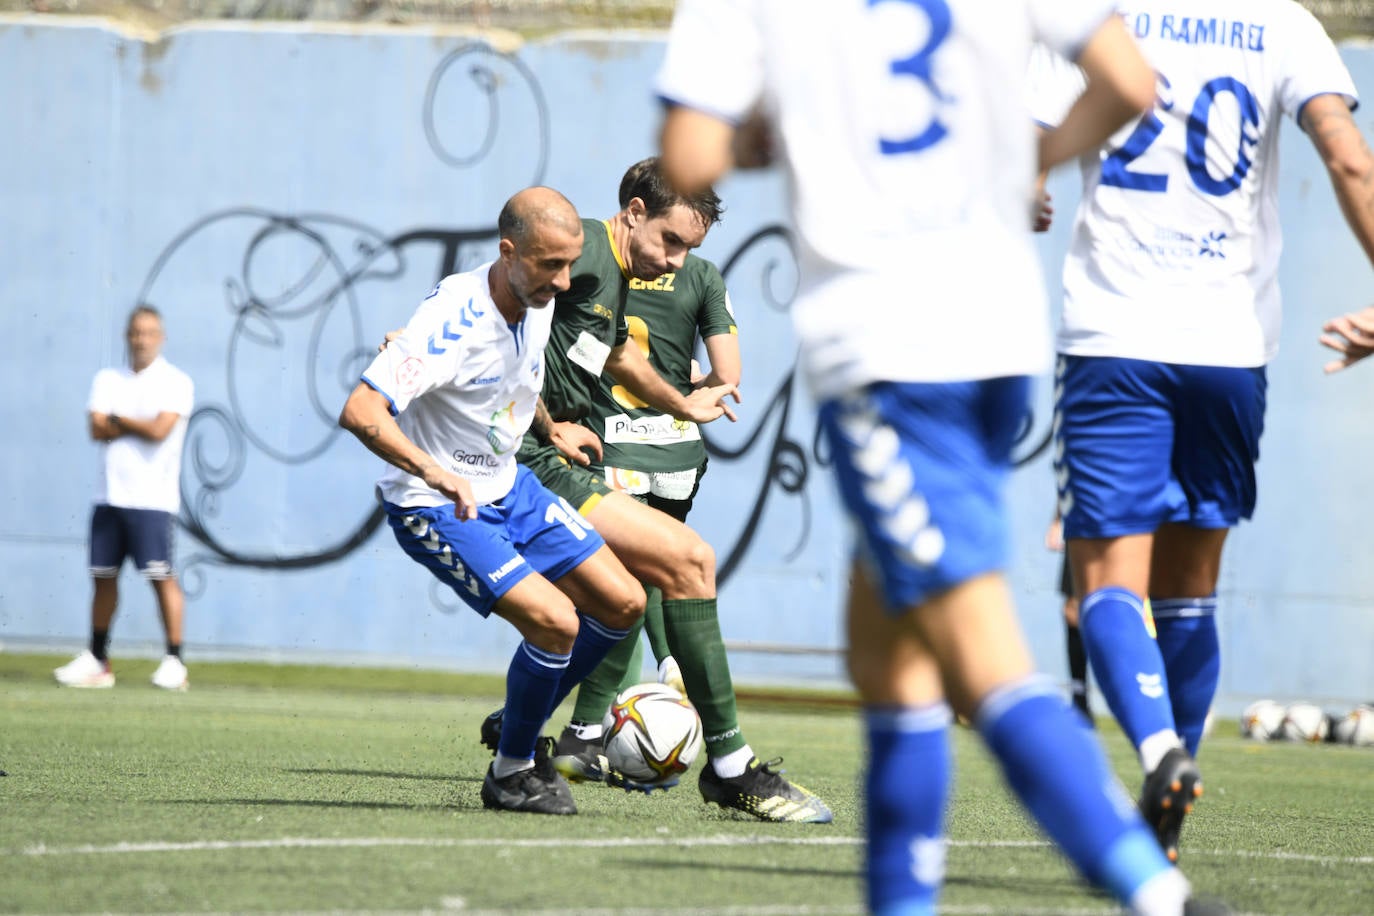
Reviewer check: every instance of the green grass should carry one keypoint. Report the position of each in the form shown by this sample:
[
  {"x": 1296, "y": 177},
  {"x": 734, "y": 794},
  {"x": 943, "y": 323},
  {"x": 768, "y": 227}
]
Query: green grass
[{"x": 375, "y": 776}]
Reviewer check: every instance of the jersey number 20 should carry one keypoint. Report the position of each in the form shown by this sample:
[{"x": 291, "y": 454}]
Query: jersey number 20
[{"x": 1115, "y": 171}]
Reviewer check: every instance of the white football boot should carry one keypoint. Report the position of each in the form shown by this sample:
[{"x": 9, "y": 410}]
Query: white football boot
[
  {"x": 171, "y": 674},
  {"x": 85, "y": 671}
]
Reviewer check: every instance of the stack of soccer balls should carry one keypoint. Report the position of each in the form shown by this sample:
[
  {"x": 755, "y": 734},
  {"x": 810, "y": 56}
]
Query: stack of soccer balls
[
  {"x": 652, "y": 734},
  {"x": 1265, "y": 720}
]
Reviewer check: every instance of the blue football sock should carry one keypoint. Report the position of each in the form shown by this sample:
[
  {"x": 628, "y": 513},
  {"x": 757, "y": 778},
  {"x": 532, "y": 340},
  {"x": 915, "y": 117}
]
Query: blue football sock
[
  {"x": 531, "y": 684},
  {"x": 1057, "y": 769},
  {"x": 906, "y": 787},
  {"x": 1188, "y": 642},
  {"x": 594, "y": 640},
  {"x": 1126, "y": 662}
]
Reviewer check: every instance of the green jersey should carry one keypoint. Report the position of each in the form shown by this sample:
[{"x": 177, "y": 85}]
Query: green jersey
[
  {"x": 588, "y": 323},
  {"x": 664, "y": 317}
]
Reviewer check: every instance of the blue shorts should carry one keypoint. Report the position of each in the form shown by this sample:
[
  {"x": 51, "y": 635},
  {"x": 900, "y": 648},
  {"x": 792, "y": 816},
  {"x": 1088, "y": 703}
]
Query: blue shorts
[
  {"x": 922, "y": 469},
  {"x": 530, "y": 530},
  {"x": 1139, "y": 444},
  {"x": 144, "y": 534}
]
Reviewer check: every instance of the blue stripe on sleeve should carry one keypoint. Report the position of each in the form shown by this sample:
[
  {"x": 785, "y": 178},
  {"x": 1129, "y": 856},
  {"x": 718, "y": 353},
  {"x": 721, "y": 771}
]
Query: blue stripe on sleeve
[{"x": 390, "y": 403}]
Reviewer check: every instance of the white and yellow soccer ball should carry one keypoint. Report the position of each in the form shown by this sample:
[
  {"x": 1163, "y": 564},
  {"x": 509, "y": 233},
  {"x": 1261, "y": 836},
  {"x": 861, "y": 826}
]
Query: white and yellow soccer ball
[
  {"x": 652, "y": 734},
  {"x": 1355, "y": 727},
  {"x": 1262, "y": 720},
  {"x": 1304, "y": 722}
]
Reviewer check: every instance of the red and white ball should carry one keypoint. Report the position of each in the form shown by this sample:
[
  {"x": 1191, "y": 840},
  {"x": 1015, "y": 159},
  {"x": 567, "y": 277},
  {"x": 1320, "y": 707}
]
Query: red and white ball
[
  {"x": 1304, "y": 722},
  {"x": 1356, "y": 727},
  {"x": 652, "y": 734},
  {"x": 1262, "y": 720}
]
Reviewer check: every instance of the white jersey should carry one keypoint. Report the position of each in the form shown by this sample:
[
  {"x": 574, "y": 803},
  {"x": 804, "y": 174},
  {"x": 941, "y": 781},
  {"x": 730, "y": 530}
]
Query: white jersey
[
  {"x": 912, "y": 162},
  {"x": 463, "y": 384},
  {"x": 1175, "y": 249},
  {"x": 134, "y": 472}
]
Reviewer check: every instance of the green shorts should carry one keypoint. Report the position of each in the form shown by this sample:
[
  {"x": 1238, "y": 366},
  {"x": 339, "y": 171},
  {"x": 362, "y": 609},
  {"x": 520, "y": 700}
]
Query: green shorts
[{"x": 581, "y": 487}]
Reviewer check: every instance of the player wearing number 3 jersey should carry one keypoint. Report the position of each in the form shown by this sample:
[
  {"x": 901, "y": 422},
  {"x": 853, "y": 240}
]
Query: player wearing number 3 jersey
[
  {"x": 920, "y": 311},
  {"x": 1171, "y": 312}
]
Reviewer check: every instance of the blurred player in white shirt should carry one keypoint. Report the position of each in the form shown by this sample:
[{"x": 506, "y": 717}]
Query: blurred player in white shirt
[
  {"x": 1171, "y": 312},
  {"x": 921, "y": 312},
  {"x": 138, "y": 414}
]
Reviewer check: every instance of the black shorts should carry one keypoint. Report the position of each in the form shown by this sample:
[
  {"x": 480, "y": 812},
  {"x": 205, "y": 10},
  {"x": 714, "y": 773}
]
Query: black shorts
[{"x": 144, "y": 534}]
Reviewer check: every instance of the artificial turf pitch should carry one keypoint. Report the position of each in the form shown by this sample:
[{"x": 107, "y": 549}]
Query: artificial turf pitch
[{"x": 270, "y": 789}]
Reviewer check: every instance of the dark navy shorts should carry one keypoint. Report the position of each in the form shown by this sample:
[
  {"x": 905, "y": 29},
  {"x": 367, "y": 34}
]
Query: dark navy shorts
[
  {"x": 529, "y": 530},
  {"x": 144, "y": 534},
  {"x": 1139, "y": 444},
  {"x": 922, "y": 469}
]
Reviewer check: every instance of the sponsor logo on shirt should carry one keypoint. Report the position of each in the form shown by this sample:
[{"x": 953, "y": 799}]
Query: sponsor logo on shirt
[
  {"x": 408, "y": 375},
  {"x": 485, "y": 380},
  {"x": 474, "y": 459},
  {"x": 501, "y": 432},
  {"x": 604, "y": 312},
  {"x": 663, "y": 283}
]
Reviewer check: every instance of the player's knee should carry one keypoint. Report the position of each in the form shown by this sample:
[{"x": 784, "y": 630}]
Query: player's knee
[
  {"x": 626, "y": 607},
  {"x": 553, "y": 631},
  {"x": 693, "y": 568}
]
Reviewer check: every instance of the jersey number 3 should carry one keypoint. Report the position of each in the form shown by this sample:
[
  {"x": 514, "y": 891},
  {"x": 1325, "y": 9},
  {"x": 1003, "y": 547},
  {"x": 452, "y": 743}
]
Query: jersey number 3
[{"x": 918, "y": 67}]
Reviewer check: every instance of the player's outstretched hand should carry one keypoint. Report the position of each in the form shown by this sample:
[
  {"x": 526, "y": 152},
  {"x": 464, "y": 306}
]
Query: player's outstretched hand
[
  {"x": 574, "y": 441},
  {"x": 388, "y": 338},
  {"x": 708, "y": 403},
  {"x": 455, "y": 488},
  {"x": 1350, "y": 335}
]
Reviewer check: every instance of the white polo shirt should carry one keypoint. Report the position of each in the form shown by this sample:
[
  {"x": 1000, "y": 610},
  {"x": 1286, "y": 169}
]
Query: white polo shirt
[{"x": 135, "y": 473}]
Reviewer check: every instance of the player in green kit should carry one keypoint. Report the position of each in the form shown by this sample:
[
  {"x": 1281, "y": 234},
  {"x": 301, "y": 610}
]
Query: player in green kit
[
  {"x": 655, "y": 458},
  {"x": 649, "y": 238}
]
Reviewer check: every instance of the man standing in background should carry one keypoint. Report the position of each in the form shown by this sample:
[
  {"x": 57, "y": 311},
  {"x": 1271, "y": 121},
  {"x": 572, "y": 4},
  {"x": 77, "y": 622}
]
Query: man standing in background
[{"x": 138, "y": 415}]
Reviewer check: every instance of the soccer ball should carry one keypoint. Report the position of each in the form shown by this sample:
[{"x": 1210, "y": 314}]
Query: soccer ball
[
  {"x": 1261, "y": 720},
  {"x": 1304, "y": 722},
  {"x": 1356, "y": 727},
  {"x": 652, "y": 734}
]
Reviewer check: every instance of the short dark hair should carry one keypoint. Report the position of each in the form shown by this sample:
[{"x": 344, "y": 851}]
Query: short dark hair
[
  {"x": 645, "y": 180},
  {"x": 143, "y": 308},
  {"x": 511, "y": 223}
]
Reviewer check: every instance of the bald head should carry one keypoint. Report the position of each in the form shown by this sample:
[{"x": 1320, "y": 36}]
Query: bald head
[{"x": 537, "y": 208}]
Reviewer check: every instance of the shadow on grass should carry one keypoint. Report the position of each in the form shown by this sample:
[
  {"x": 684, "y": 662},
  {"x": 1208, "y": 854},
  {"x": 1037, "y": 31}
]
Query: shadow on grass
[
  {"x": 321, "y": 803},
  {"x": 382, "y": 774}
]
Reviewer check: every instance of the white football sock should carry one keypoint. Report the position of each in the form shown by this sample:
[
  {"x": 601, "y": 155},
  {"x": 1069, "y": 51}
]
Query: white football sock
[
  {"x": 1153, "y": 749},
  {"x": 590, "y": 731},
  {"x": 1163, "y": 895},
  {"x": 733, "y": 764},
  {"x": 503, "y": 766}
]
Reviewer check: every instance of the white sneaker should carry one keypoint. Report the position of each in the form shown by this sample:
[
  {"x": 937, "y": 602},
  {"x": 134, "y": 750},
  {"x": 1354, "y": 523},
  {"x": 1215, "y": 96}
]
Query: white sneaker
[
  {"x": 669, "y": 673},
  {"x": 85, "y": 671},
  {"x": 171, "y": 674}
]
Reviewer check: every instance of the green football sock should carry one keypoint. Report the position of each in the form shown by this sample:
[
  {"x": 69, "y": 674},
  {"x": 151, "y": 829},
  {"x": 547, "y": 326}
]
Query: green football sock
[
  {"x": 693, "y": 632},
  {"x": 653, "y": 624},
  {"x": 598, "y": 689}
]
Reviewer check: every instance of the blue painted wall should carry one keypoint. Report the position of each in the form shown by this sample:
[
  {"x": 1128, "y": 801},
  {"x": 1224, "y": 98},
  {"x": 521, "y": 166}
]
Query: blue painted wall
[{"x": 286, "y": 193}]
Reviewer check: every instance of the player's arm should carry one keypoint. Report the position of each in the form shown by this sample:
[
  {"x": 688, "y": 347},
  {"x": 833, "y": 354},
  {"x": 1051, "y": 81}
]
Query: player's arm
[
  {"x": 574, "y": 441},
  {"x": 697, "y": 149},
  {"x": 367, "y": 415},
  {"x": 102, "y": 430},
  {"x": 628, "y": 366},
  {"x": 154, "y": 430},
  {"x": 1350, "y": 165},
  {"x": 722, "y": 351},
  {"x": 1120, "y": 86}
]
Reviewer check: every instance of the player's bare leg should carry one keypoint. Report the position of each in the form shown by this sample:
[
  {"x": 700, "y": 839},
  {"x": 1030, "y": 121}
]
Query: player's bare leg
[
  {"x": 104, "y": 601},
  {"x": 655, "y": 547},
  {"x": 171, "y": 604}
]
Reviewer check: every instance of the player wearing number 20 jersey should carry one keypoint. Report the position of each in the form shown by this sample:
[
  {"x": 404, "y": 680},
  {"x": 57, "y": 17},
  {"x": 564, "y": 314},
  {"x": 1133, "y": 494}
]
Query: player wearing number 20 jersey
[{"x": 1171, "y": 312}]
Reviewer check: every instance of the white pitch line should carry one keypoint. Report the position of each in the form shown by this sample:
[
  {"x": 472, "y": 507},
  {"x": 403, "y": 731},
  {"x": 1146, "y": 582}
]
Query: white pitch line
[{"x": 41, "y": 849}]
